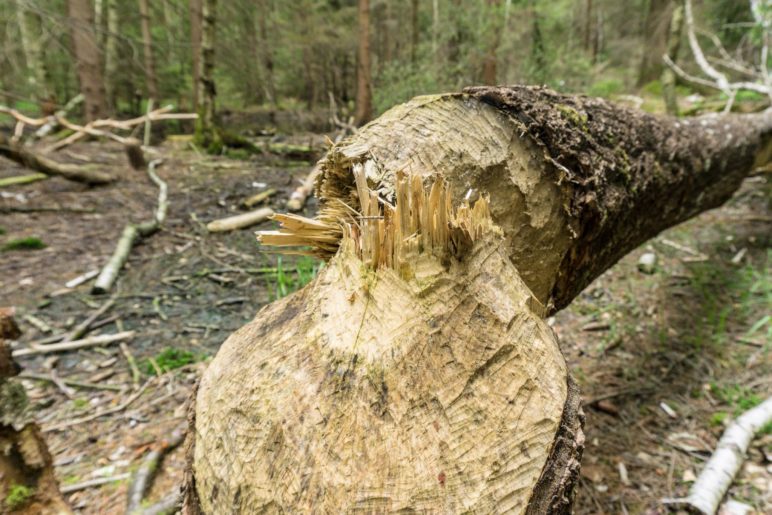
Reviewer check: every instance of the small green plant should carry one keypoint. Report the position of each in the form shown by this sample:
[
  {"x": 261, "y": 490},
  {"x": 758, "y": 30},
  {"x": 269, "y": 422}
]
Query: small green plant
[
  {"x": 2, "y": 230},
  {"x": 18, "y": 495},
  {"x": 31, "y": 243},
  {"x": 718, "y": 418},
  {"x": 288, "y": 281},
  {"x": 740, "y": 397},
  {"x": 170, "y": 359},
  {"x": 80, "y": 403}
]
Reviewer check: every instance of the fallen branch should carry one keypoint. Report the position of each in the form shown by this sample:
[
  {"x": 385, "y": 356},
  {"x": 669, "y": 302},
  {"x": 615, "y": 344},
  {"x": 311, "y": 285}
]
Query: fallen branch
[
  {"x": 259, "y": 198},
  {"x": 69, "y": 382},
  {"x": 52, "y": 122},
  {"x": 98, "y": 414},
  {"x": 716, "y": 478},
  {"x": 77, "y": 344},
  {"x": 91, "y": 483},
  {"x": 22, "y": 179},
  {"x": 82, "y": 328},
  {"x": 35, "y": 161},
  {"x": 135, "y": 374},
  {"x": 168, "y": 504},
  {"x": 131, "y": 233},
  {"x": 240, "y": 221},
  {"x": 144, "y": 475},
  {"x": 298, "y": 198}
]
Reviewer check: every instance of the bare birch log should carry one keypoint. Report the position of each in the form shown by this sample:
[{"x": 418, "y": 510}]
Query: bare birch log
[
  {"x": 131, "y": 233},
  {"x": 241, "y": 221},
  {"x": 298, "y": 198},
  {"x": 416, "y": 372},
  {"x": 715, "y": 479}
]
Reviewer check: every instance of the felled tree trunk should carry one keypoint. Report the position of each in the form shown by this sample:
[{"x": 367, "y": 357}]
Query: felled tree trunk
[
  {"x": 27, "y": 481},
  {"x": 417, "y": 372}
]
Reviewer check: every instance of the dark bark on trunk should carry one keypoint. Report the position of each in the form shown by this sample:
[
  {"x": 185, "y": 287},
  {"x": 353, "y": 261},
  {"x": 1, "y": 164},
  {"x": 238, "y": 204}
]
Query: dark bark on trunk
[
  {"x": 364, "y": 99},
  {"x": 92, "y": 85},
  {"x": 77, "y": 173},
  {"x": 151, "y": 79},
  {"x": 621, "y": 164},
  {"x": 195, "y": 47}
]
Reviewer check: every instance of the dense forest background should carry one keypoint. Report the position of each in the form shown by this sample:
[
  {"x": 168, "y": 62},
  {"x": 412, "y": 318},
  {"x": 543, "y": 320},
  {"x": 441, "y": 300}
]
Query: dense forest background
[{"x": 302, "y": 53}]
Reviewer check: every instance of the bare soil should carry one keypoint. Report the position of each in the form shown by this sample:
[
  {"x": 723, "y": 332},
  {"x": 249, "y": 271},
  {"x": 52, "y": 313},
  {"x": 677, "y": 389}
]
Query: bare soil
[{"x": 692, "y": 335}]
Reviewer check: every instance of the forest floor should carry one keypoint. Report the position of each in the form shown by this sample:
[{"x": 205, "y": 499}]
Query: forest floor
[{"x": 694, "y": 336}]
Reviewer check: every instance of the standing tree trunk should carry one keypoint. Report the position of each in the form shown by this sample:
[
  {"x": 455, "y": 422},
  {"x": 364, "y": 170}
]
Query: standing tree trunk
[
  {"x": 195, "y": 46},
  {"x": 493, "y": 34},
  {"x": 364, "y": 98},
  {"x": 32, "y": 45},
  {"x": 207, "y": 133},
  {"x": 89, "y": 66},
  {"x": 266, "y": 53},
  {"x": 111, "y": 54},
  {"x": 415, "y": 32},
  {"x": 417, "y": 371},
  {"x": 151, "y": 79},
  {"x": 673, "y": 45},
  {"x": 654, "y": 40}
]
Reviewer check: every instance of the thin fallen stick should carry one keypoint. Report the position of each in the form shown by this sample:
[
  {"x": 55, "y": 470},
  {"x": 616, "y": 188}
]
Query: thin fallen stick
[
  {"x": 135, "y": 375},
  {"x": 52, "y": 123},
  {"x": 94, "y": 416},
  {"x": 144, "y": 475},
  {"x": 94, "y": 482},
  {"x": 131, "y": 233},
  {"x": 77, "y": 281},
  {"x": 69, "y": 382},
  {"x": 168, "y": 504},
  {"x": 716, "y": 478},
  {"x": 77, "y": 344},
  {"x": 84, "y": 327},
  {"x": 22, "y": 179}
]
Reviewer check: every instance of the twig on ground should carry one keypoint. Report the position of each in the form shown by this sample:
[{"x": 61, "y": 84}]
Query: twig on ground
[
  {"x": 135, "y": 375},
  {"x": 22, "y": 179},
  {"x": 168, "y": 503},
  {"x": 84, "y": 327},
  {"x": 94, "y": 482},
  {"x": 131, "y": 233},
  {"x": 716, "y": 478},
  {"x": 77, "y": 344},
  {"x": 298, "y": 198},
  {"x": 39, "y": 324},
  {"x": 70, "y": 382},
  {"x": 144, "y": 475},
  {"x": 76, "y": 421}
]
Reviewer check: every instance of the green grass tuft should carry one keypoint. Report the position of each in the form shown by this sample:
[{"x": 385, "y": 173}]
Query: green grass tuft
[
  {"x": 17, "y": 497},
  {"x": 170, "y": 359},
  {"x": 287, "y": 281},
  {"x": 30, "y": 243}
]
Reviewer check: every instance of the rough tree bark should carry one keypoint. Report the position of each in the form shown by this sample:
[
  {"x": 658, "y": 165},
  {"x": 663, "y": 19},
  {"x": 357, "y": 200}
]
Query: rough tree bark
[
  {"x": 151, "y": 79},
  {"x": 364, "y": 98},
  {"x": 32, "y": 45},
  {"x": 490, "y": 61},
  {"x": 89, "y": 66},
  {"x": 27, "y": 481},
  {"x": 206, "y": 130},
  {"x": 195, "y": 46},
  {"x": 417, "y": 372},
  {"x": 111, "y": 53}
]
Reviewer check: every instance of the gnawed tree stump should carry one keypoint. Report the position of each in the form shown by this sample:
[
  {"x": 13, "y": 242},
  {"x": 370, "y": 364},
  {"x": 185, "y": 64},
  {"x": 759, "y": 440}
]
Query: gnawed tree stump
[
  {"x": 416, "y": 372},
  {"x": 27, "y": 481}
]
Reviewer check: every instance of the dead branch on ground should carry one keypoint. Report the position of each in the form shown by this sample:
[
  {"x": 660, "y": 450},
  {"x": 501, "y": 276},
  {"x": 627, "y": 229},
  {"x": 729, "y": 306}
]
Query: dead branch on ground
[
  {"x": 133, "y": 232},
  {"x": 143, "y": 477}
]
